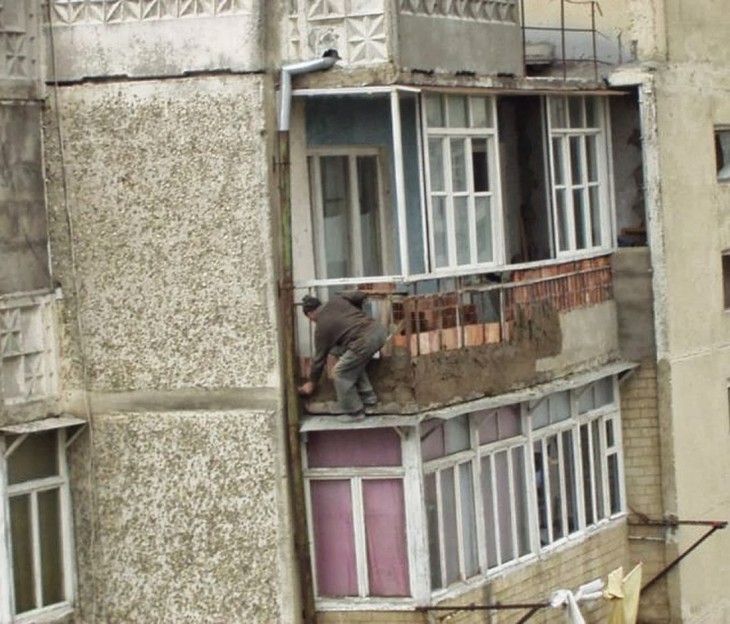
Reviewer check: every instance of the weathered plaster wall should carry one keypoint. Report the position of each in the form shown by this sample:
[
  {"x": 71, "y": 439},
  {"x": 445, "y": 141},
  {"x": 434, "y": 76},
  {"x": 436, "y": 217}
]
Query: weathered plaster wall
[
  {"x": 166, "y": 186},
  {"x": 697, "y": 31},
  {"x": 176, "y": 518}
]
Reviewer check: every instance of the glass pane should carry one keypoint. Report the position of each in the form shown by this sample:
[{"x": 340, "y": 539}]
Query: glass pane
[
  {"x": 579, "y": 219},
  {"x": 559, "y": 406},
  {"x": 49, "y": 524},
  {"x": 595, "y": 215},
  {"x": 434, "y": 111},
  {"x": 369, "y": 199},
  {"x": 604, "y": 391},
  {"x": 365, "y": 447},
  {"x": 456, "y": 433},
  {"x": 448, "y": 512},
  {"x": 506, "y": 544},
  {"x": 614, "y": 490},
  {"x": 335, "y": 193},
  {"x": 519, "y": 471},
  {"x": 609, "y": 433},
  {"x": 591, "y": 158},
  {"x": 436, "y": 164},
  {"x": 598, "y": 468},
  {"x": 576, "y": 160},
  {"x": 591, "y": 112},
  {"x": 509, "y": 421},
  {"x": 571, "y": 490},
  {"x": 457, "y": 111},
  {"x": 540, "y": 414},
  {"x": 585, "y": 400},
  {"x": 385, "y": 534},
  {"x": 588, "y": 492},
  {"x": 432, "y": 516},
  {"x": 432, "y": 439},
  {"x": 562, "y": 210},
  {"x": 334, "y": 538},
  {"x": 541, "y": 491},
  {"x": 480, "y": 165},
  {"x": 22, "y": 553},
  {"x": 35, "y": 458},
  {"x": 481, "y": 112},
  {"x": 468, "y": 520},
  {"x": 461, "y": 225},
  {"x": 440, "y": 232},
  {"x": 487, "y": 427},
  {"x": 556, "y": 509},
  {"x": 558, "y": 162},
  {"x": 575, "y": 107},
  {"x": 490, "y": 521},
  {"x": 458, "y": 165},
  {"x": 483, "y": 222},
  {"x": 557, "y": 112}
]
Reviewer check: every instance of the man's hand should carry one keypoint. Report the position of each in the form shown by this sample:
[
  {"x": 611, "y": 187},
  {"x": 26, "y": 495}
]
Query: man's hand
[{"x": 306, "y": 389}]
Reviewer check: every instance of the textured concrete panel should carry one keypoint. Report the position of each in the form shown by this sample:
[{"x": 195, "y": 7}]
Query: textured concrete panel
[
  {"x": 167, "y": 191},
  {"x": 23, "y": 233},
  {"x": 156, "y": 38},
  {"x": 176, "y": 518}
]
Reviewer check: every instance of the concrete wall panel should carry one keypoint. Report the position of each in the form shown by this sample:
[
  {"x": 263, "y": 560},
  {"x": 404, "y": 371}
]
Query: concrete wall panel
[
  {"x": 176, "y": 518},
  {"x": 167, "y": 190}
]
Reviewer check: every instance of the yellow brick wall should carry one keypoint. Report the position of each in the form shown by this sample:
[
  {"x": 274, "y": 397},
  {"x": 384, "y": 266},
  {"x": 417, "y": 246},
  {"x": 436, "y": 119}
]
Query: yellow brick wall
[
  {"x": 566, "y": 568},
  {"x": 643, "y": 470}
]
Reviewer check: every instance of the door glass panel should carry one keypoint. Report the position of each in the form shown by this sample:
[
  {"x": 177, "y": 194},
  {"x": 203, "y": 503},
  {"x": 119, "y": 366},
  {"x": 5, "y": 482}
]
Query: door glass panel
[
  {"x": 480, "y": 165},
  {"x": 440, "y": 236},
  {"x": 335, "y": 193},
  {"x": 457, "y": 111},
  {"x": 461, "y": 223},
  {"x": 436, "y": 164},
  {"x": 458, "y": 165},
  {"x": 483, "y": 218},
  {"x": 369, "y": 198},
  {"x": 435, "y": 111}
]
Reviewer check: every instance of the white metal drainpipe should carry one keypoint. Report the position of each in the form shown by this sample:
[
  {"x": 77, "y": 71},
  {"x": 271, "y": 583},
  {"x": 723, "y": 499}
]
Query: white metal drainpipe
[
  {"x": 286, "y": 317},
  {"x": 329, "y": 58}
]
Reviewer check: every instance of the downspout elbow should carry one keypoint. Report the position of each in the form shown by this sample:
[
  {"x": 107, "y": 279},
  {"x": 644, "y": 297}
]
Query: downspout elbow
[{"x": 329, "y": 58}]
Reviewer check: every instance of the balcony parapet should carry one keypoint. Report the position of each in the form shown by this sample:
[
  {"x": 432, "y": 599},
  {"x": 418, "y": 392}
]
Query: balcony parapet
[{"x": 480, "y": 333}]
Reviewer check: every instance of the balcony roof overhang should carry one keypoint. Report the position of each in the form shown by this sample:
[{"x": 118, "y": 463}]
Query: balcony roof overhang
[
  {"x": 533, "y": 393},
  {"x": 481, "y": 90}
]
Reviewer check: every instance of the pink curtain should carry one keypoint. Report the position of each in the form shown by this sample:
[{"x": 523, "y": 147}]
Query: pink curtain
[
  {"x": 366, "y": 447},
  {"x": 385, "y": 532},
  {"x": 334, "y": 541}
]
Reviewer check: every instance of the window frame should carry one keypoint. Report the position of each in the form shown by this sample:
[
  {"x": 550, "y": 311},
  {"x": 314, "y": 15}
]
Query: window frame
[
  {"x": 33, "y": 487},
  {"x": 384, "y": 218},
  {"x": 447, "y": 134},
  {"x": 518, "y": 444},
  {"x": 564, "y": 134}
]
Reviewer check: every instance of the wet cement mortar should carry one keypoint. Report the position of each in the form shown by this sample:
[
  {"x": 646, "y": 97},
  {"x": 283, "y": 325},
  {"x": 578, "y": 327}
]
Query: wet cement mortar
[{"x": 409, "y": 384}]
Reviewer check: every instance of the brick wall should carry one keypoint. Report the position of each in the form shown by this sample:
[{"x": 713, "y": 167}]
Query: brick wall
[{"x": 643, "y": 470}]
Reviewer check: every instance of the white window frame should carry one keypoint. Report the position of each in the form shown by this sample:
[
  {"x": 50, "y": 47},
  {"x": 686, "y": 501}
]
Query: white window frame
[
  {"x": 385, "y": 226},
  {"x": 562, "y": 136},
  {"x": 446, "y": 134},
  {"x": 59, "y": 482},
  {"x": 414, "y": 471}
]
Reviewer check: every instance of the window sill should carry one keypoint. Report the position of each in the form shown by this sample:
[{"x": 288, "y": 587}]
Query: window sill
[{"x": 59, "y": 614}]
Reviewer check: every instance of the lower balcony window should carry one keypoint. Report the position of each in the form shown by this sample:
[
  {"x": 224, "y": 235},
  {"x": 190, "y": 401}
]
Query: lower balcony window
[{"x": 421, "y": 513}]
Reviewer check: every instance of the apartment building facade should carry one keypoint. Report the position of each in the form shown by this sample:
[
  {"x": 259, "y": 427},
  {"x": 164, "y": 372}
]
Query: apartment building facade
[{"x": 512, "y": 184}]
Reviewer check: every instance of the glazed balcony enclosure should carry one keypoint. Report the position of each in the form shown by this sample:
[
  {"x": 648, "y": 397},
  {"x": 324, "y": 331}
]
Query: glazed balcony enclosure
[{"x": 481, "y": 222}]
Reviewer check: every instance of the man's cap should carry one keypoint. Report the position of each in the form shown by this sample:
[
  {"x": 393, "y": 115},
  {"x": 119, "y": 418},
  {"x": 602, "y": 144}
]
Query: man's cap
[{"x": 310, "y": 303}]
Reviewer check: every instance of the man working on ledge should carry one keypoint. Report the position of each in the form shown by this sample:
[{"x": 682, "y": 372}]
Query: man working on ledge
[{"x": 343, "y": 328}]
